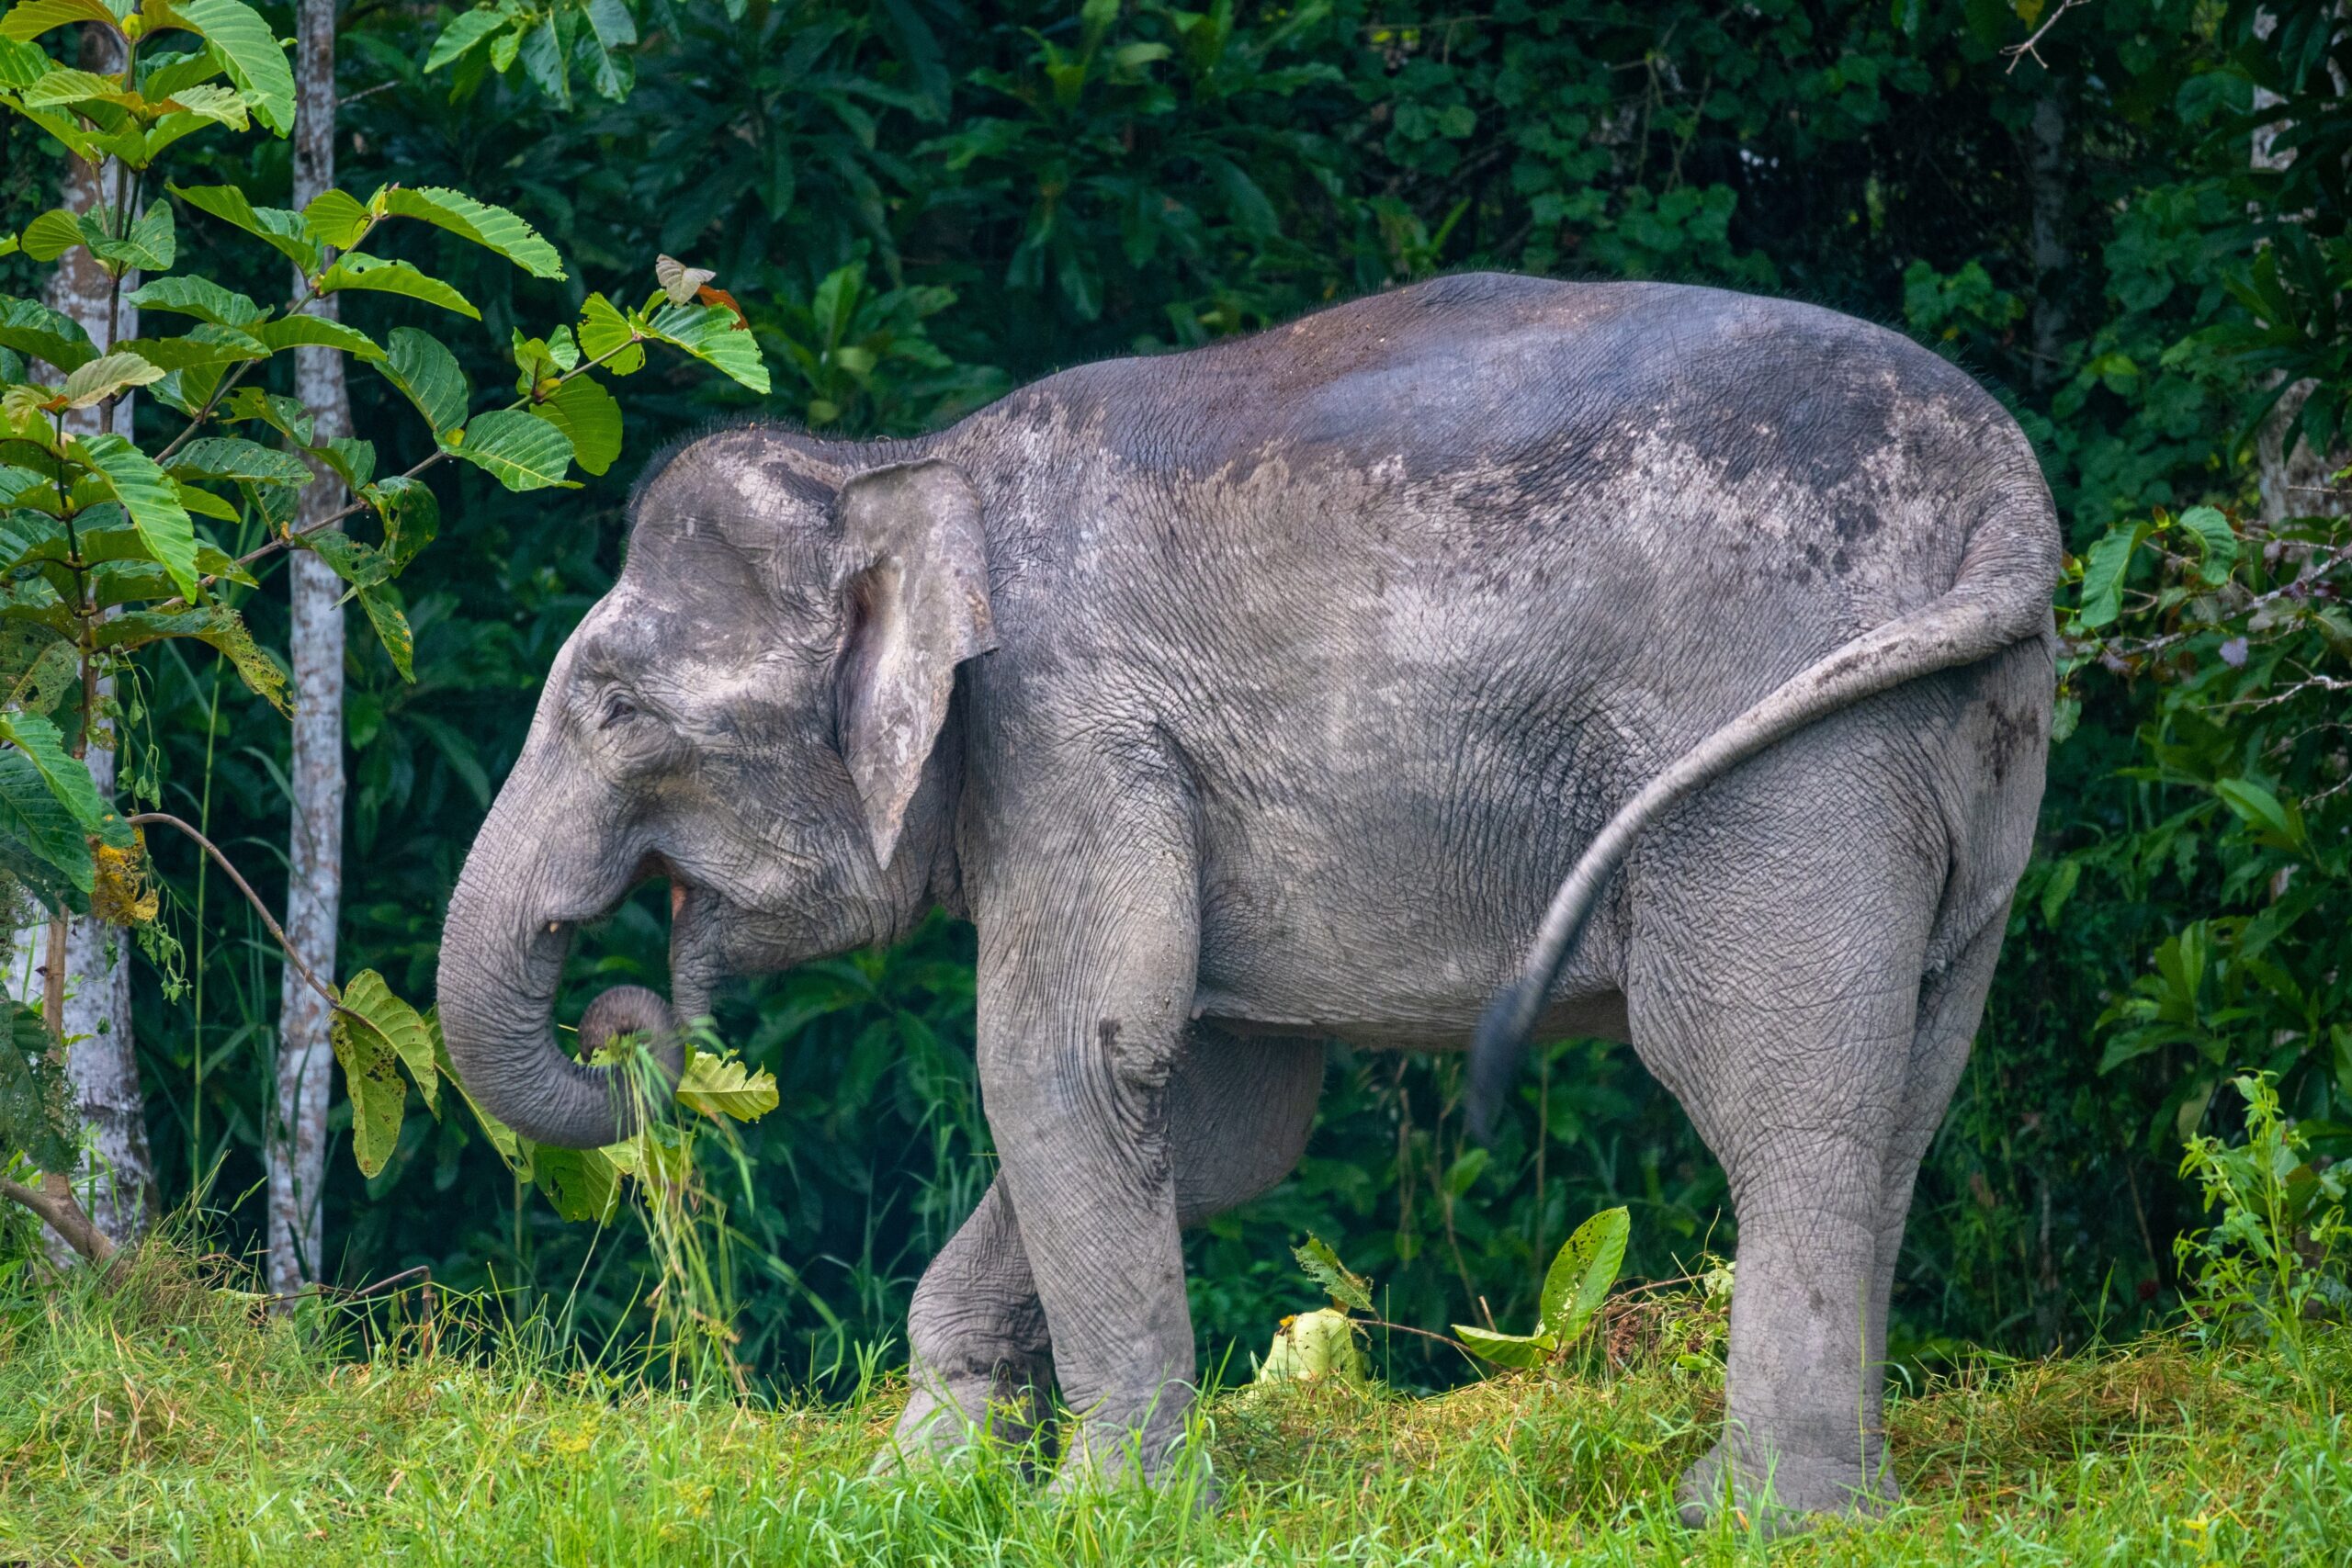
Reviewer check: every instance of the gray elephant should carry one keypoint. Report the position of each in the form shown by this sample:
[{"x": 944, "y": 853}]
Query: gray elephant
[{"x": 1266, "y": 693}]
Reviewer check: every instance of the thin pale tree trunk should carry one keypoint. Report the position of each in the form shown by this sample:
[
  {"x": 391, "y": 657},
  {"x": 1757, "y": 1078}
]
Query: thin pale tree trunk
[
  {"x": 2047, "y": 168},
  {"x": 116, "y": 1184},
  {"x": 314, "y": 875}
]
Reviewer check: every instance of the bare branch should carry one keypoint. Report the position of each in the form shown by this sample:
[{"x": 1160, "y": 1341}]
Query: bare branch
[
  {"x": 2017, "y": 52},
  {"x": 54, "y": 1202}
]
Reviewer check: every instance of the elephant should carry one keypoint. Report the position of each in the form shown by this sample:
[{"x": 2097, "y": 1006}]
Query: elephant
[{"x": 1272, "y": 692}]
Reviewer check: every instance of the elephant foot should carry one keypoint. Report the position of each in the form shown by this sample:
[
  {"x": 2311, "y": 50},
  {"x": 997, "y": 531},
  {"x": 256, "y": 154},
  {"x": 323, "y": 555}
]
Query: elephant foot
[
  {"x": 1779, "y": 1493},
  {"x": 951, "y": 1421},
  {"x": 1165, "y": 1455}
]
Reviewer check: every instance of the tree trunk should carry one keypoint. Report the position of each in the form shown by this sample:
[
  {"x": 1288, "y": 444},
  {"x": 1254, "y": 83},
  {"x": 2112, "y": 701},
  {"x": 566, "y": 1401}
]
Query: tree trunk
[
  {"x": 2290, "y": 478},
  {"x": 116, "y": 1184},
  {"x": 2047, "y": 168},
  {"x": 314, "y": 874}
]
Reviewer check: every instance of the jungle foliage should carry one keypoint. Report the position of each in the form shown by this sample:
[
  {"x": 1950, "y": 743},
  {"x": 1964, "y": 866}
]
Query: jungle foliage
[{"x": 919, "y": 204}]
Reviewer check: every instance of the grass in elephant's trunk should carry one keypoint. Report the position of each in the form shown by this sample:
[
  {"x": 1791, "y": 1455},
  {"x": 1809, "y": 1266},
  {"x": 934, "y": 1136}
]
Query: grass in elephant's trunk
[{"x": 147, "y": 1417}]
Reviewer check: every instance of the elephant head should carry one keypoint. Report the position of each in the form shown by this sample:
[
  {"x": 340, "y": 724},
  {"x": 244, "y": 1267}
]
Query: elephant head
[{"x": 751, "y": 712}]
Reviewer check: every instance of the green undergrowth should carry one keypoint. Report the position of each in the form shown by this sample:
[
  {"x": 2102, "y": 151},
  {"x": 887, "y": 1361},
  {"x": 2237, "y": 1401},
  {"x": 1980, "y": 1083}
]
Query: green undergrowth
[{"x": 153, "y": 1417}]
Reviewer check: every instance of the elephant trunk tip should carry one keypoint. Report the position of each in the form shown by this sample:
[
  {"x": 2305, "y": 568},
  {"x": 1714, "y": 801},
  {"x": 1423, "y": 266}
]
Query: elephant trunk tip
[
  {"x": 633, "y": 1010},
  {"x": 1498, "y": 1051}
]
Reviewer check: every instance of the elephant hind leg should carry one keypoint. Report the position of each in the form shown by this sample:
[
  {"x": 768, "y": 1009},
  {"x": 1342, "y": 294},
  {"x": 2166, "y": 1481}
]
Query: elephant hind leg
[{"x": 1238, "y": 1113}]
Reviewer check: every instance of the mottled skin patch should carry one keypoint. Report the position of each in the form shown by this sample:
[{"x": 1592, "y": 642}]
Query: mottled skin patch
[{"x": 1320, "y": 659}]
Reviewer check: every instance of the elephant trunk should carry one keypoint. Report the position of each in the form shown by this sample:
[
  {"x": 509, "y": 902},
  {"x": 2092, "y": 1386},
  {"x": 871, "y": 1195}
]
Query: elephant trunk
[{"x": 501, "y": 963}]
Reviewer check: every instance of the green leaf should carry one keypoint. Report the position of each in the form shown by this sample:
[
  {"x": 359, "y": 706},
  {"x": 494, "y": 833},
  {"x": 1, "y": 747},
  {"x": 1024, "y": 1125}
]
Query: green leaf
[
  {"x": 105, "y": 376},
  {"x": 68, "y": 779},
  {"x": 34, "y": 329},
  {"x": 2217, "y": 542},
  {"x": 2103, "y": 573},
  {"x": 51, "y": 235},
  {"x": 250, "y": 54},
  {"x": 2259, "y": 805},
  {"x": 290, "y": 332},
  {"x": 35, "y": 18},
  {"x": 216, "y": 626},
  {"x": 354, "y": 562},
  {"x": 198, "y": 296},
  {"x": 354, "y": 270},
  {"x": 493, "y": 228},
  {"x": 1323, "y": 1266},
  {"x": 371, "y": 1077},
  {"x": 582, "y": 1184},
  {"x": 336, "y": 218},
  {"x": 390, "y": 617},
  {"x": 147, "y": 493},
  {"x": 283, "y": 415},
  {"x": 40, "y": 844},
  {"x": 412, "y": 516},
  {"x": 1506, "y": 1349},
  {"x": 395, "y": 1025},
  {"x": 207, "y": 102},
  {"x": 720, "y": 1086},
  {"x": 712, "y": 334},
  {"x": 517, "y": 450},
  {"x": 351, "y": 460},
  {"x": 465, "y": 32},
  {"x": 589, "y": 418},
  {"x": 1581, "y": 1273},
  {"x": 604, "y": 331},
  {"x": 203, "y": 344},
  {"x": 1313, "y": 1345},
  {"x": 37, "y": 1110},
  {"x": 234, "y": 459},
  {"x": 151, "y": 245},
  {"x": 427, "y": 375},
  {"x": 282, "y": 229}
]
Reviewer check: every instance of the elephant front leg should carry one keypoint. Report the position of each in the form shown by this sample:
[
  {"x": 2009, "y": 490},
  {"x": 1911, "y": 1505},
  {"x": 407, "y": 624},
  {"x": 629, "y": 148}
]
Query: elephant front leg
[
  {"x": 979, "y": 1359},
  {"x": 1082, "y": 1006}
]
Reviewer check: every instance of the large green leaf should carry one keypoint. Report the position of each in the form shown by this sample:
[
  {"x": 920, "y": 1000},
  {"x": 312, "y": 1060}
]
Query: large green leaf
[
  {"x": 37, "y": 1114},
  {"x": 40, "y": 844},
  {"x": 355, "y": 563},
  {"x": 202, "y": 346},
  {"x": 493, "y": 227},
  {"x": 292, "y": 332},
  {"x": 35, "y": 18},
  {"x": 250, "y": 54},
  {"x": 51, "y": 235},
  {"x": 467, "y": 30},
  {"x": 398, "y": 1025},
  {"x": 198, "y": 296},
  {"x": 363, "y": 1039},
  {"x": 106, "y": 377},
  {"x": 607, "y": 339},
  {"x": 279, "y": 228},
  {"x": 517, "y": 450},
  {"x": 68, "y": 779},
  {"x": 1581, "y": 1273},
  {"x": 590, "y": 418},
  {"x": 215, "y": 625},
  {"x": 425, "y": 370},
  {"x": 147, "y": 493},
  {"x": 153, "y": 244},
  {"x": 32, "y": 329},
  {"x": 582, "y": 1184},
  {"x": 336, "y": 218},
  {"x": 2103, "y": 573},
  {"x": 712, "y": 334},
  {"x": 354, "y": 270},
  {"x": 232, "y": 458}
]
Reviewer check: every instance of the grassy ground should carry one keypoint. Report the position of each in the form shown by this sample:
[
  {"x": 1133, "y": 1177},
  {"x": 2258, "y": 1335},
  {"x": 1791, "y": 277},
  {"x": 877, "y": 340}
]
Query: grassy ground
[{"x": 153, "y": 1420}]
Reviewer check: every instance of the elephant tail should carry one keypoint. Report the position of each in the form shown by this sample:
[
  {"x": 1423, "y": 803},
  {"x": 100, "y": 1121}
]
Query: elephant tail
[{"x": 2001, "y": 597}]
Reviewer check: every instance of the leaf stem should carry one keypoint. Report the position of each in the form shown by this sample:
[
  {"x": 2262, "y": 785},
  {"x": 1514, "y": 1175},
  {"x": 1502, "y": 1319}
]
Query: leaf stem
[{"x": 276, "y": 932}]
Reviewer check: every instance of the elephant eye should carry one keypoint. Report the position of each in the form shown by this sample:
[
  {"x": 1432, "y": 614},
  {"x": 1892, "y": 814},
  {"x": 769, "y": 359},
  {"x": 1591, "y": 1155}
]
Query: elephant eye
[{"x": 618, "y": 709}]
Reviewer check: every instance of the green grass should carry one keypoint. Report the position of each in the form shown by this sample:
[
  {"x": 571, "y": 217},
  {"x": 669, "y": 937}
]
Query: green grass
[{"x": 150, "y": 1419}]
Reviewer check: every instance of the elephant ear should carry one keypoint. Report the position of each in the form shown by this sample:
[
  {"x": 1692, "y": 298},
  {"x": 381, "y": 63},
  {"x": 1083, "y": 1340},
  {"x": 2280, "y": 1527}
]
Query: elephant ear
[{"x": 914, "y": 569}]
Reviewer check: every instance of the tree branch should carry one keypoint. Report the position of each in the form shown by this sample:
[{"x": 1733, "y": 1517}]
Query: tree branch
[{"x": 55, "y": 1204}]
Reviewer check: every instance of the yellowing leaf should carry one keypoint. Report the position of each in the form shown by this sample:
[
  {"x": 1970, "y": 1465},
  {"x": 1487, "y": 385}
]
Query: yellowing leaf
[{"x": 726, "y": 1085}]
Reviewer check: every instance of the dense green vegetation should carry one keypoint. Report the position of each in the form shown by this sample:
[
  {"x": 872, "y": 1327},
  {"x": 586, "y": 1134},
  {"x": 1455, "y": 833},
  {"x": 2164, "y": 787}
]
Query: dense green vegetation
[{"x": 919, "y": 204}]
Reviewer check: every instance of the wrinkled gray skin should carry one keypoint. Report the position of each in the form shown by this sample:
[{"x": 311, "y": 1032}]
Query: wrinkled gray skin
[{"x": 1265, "y": 694}]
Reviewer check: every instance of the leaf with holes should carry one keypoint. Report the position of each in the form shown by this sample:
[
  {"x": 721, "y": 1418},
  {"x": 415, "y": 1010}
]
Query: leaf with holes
[
  {"x": 723, "y": 1086},
  {"x": 234, "y": 459},
  {"x": 371, "y": 1078},
  {"x": 355, "y": 271},
  {"x": 1323, "y": 1266},
  {"x": 400, "y": 1026},
  {"x": 1581, "y": 1273},
  {"x": 389, "y": 615},
  {"x": 1519, "y": 1351}
]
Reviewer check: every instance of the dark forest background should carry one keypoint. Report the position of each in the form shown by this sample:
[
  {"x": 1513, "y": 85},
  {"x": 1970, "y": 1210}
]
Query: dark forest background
[{"x": 921, "y": 203}]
